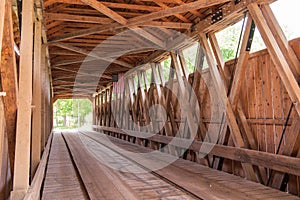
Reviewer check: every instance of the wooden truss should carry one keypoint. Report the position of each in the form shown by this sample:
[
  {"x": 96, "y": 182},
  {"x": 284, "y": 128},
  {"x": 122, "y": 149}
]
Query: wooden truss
[{"x": 236, "y": 129}]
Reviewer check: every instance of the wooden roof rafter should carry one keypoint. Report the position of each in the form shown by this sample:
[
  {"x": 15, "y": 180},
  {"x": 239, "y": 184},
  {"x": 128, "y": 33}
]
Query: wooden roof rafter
[
  {"x": 86, "y": 53},
  {"x": 140, "y": 19}
]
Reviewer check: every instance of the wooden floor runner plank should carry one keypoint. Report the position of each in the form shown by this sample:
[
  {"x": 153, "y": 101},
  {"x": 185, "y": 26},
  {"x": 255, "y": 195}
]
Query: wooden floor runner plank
[
  {"x": 97, "y": 182},
  {"x": 112, "y": 182},
  {"x": 61, "y": 181}
]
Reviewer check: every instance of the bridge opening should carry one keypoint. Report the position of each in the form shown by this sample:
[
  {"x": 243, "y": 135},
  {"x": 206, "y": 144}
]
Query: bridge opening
[{"x": 72, "y": 114}]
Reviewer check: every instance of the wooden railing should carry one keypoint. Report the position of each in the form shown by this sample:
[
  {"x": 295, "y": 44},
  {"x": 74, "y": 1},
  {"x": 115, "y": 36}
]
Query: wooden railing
[{"x": 280, "y": 163}]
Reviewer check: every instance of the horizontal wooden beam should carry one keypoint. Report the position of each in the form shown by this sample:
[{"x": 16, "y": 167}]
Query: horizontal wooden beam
[
  {"x": 120, "y": 19},
  {"x": 140, "y": 19},
  {"x": 174, "y": 25},
  {"x": 77, "y": 18},
  {"x": 164, "y": 6},
  {"x": 105, "y": 10},
  {"x": 83, "y": 73},
  {"x": 92, "y": 54},
  {"x": 70, "y": 96},
  {"x": 281, "y": 163},
  {"x": 174, "y": 10},
  {"x": 231, "y": 13},
  {"x": 89, "y": 31},
  {"x": 108, "y": 4}
]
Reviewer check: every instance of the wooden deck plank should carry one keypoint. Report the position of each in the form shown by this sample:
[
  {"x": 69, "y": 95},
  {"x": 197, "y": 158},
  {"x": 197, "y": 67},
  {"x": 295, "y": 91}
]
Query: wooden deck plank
[
  {"x": 94, "y": 160},
  {"x": 61, "y": 181},
  {"x": 114, "y": 183},
  {"x": 202, "y": 181}
]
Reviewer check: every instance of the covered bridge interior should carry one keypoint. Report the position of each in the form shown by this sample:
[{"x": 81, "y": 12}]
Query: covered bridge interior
[{"x": 163, "y": 127}]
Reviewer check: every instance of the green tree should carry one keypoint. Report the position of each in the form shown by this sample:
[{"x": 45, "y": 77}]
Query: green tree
[
  {"x": 228, "y": 40},
  {"x": 63, "y": 108},
  {"x": 165, "y": 65},
  {"x": 74, "y": 109},
  {"x": 84, "y": 107},
  {"x": 229, "y": 37}
]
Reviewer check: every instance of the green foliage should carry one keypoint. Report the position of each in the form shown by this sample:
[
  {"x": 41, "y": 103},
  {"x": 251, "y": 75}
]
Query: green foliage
[
  {"x": 165, "y": 65},
  {"x": 228, "y": 40},
  {"x": 189, "y": 55},
  {"x": 229, "y": 37},
  {"x": 71, "y": 113}
]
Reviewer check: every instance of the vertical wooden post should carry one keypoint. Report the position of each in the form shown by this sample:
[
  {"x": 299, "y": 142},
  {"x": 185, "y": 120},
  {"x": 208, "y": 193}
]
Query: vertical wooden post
[
  {"x": 235, "y": 87},
  {"x": 161, "y": 101},
  {"x": 95, "y": 111},
  {"x": 98, "y": 107},
  {"x": 2, "y": 14},
  {"x": 161, "y": 76},
  {"x": 183, "y": 65},
  {"x": 2, "y": 150},
  {"x": 130, "y": 91},
  {"x": 110, "y": 90},
  {"x": 168, "y": 98},
  {"x": 188, "y": 113},
  {"x": 8, "y": 74},
  {"x": 101, "y": 109},
  {"x": 44, "y": 75},
  {"x": 105, "y": 107},
  {"x": 114, "y": 105},
  {"x": 231, "y": 120},
  {"x": 144, "y": 101},
  {"x": 36, "y": 100},
  {"x": 23, "y": 133}
]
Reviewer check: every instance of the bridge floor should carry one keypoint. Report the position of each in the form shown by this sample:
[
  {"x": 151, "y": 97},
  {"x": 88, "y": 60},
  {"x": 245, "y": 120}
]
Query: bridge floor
[{"x": 90, "y": 165}]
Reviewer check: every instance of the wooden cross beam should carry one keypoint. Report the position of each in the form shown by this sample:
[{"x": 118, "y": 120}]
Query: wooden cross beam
[
  {"x": 118, "y": 18},
  {"x": 76, "y": 18},
  {"x": 233, "y": 13},
  {"x": 292, "y": 139},
  {"x": 129, "y": 91},
  {"x": 164, "y": 6},
  {"x": 139, "y": 19},
  {"x": 230, "y": 117},
  {"x": 144, "y": 104},
  {"x": 161, "y": 96},
  {"x": 174, "y": 10},
  {"x": 193, "y": 99},
  {"x": 83, "y": 73},
  {"x": 102, "y": 20},
  {"x": 283, "y": 44},
  {"x": 235, "y": 88},
  {"x": 107, "y": 4},
  {"x": 194, "y": 12},
  {"x": 183, "y": 91},
  {"x": 91, "y": 54}
]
